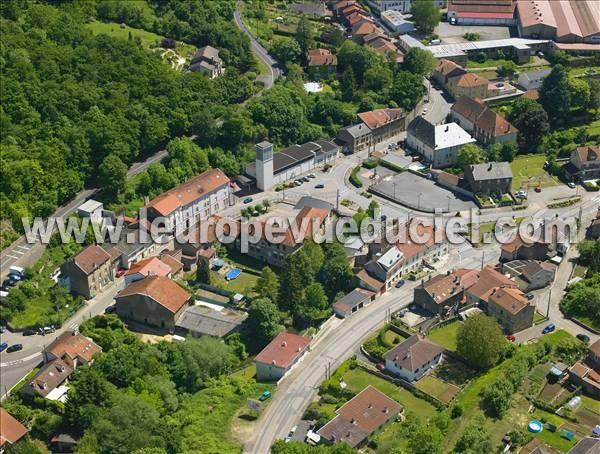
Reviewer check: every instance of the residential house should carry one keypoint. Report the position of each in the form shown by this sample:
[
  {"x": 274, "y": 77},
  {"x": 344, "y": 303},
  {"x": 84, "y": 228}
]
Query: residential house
[
  {"x": 91, "y": 209},
  {"x": 154, "y": 300},
  {"x": 11, "y": 430},
  {"x": 352, "y": 302},
  {"x": 136, "y": 243},
  {"x": 412, "y": 358},
  {"x": 363, "y": 28},
  {"x": 533, "y": 80},
  {"x": 469, "y": 84},
  {"x": 489, "y": 178},
  {"x": 173, "y": 260},
  {"x": 384, "y": 123},
  {"x": 63, "y": 442},
  {"x": 381, "y": 273},
  {"x": 152, "y": 266},
  {"x": 444, "y": 293},
  {"x": 550, "y": 238},
  {"x": 88, "y": 272},
  {"x": 338, "y": 7},
  {"x": 49, "y": 381},
  {"x": 274, "y": 253},
  {"x": 197, "y": 199},
  {"x": 445, "y": 70},
  {"x": 200, "y": 320},
  {"x": 278, "y": 358},
  {"x": 207, "y": 60},
  {"x": 584, "y": 164},
  {"x": 381, "y": 43},
  {"x": 321, "y": 64},
  {"x": 530, "y": 274},
  {"x": 439, "y": 145},
  {"x": 355, "y": 138},
  {"x": 510, "y": 307},
  {"x": 487, "y": 280},
  {"x": 196, "y": 244},
  {"x": 586, "y": 373},
  {"x": 73, "y": 348},
  {"x": 482, "y": 122},
  {"x": 362, "y": 416}
]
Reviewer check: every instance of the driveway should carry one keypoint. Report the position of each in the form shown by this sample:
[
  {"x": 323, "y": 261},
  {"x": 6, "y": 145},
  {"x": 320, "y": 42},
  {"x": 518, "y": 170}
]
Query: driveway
[{"x": 420, "y": 194}]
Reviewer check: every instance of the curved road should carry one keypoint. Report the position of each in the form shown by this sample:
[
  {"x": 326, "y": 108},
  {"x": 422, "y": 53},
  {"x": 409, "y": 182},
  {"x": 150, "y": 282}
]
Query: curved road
[{"x": 259, "y": 51}]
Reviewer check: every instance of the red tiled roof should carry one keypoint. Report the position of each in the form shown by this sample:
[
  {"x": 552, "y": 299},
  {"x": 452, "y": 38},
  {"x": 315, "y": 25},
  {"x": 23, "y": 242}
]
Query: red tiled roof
[
  {"x": 511, "y": 300},
  {"x": 91, "y": 258},
  {"x": 365, "y": 277},
  {"x": 488, "y": 279},
  {"x": 369, "y": 409},
  {"x": 74, "y": 344},
  {"x": 589, "y": 153},
  {"x": 161, "y": 289},
  {"x": 495, "y": 7},
  {"x": 189, "y": 191},
  {"x": 469, "y": 80},
  {"x": 175, "y": 265},
  {"x": 381, "y": 117},
  {"x": 11, "y": 430},
  {"x": 472, "y": 15},
  {"x": 283, "y": 350},
  {"x": 320, "y": 57},
  {"x": 152, "y": 266}
]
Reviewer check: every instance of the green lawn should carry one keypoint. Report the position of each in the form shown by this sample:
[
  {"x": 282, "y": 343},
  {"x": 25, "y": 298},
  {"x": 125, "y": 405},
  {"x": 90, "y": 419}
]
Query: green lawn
[
  {"x": 244, "y": 283},
  {"x": 446, "y": 335},
  {"x": 486, "y": 64},
  {"x": 529, "y": 170},
  {"x": 437, "y": 388},
  {"x": 594, "y": 129},
  {"x": 591, "y": 404}
]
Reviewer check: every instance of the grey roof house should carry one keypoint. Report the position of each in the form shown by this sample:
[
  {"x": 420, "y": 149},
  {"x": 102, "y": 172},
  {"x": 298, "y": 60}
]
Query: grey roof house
[
  {"x": 202, "y": 320},
  {"x": 489, "y": 178},
  {"x": 352, "y": 302}
]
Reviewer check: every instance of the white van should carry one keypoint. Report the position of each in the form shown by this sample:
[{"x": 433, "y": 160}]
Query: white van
[{"x": 16, "y": 271}]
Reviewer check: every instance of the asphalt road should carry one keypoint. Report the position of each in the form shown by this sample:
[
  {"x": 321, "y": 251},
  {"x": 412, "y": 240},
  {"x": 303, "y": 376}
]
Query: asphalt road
[
  {"x": 14, "y": 366},
  {"x": 297, "y": 390},
  {"x": 259, "y": 51}
]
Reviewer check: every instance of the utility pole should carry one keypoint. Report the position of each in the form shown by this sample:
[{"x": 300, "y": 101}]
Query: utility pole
[
  {"x": 337, "y": 200},
  {"x": 548, "y": 308}
]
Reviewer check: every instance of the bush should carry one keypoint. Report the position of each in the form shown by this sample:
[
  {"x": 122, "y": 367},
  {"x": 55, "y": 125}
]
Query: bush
[
  {"x": 457, "y": 411},
  {"x": 354, "y": 178},
  {"x": 370, "y": 163},
  {"x": 471, "y": 36},
  {"x": 389, "y": 165}
]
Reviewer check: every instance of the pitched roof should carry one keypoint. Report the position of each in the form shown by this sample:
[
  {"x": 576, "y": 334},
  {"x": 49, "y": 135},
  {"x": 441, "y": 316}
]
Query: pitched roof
[
  {"x": 589, "y": 153},
  {"x": 75, "y": 345},
  {"x": 490, "y": 171},
  {"x": 487, "y": 280},
  {"x": 413, "y": 353},
  {"x": 469, "y": 108},
  {"x": 175, "y": 265},
  {"x": 283, "y": 350},
  {"x": 444, "y": 286},
  {"x": 189, "y": 192},
  {"x": 354, "y": 298},
  {"x": 482, "y": 116},
  {"x": 360, "y": 417},
  {"x": 409, "y": 248},
  {"x": 11, "y": 430},
  {"x": 422, "y": 130},
  {"x": 533, "y": 267},
  {"x": 206, "y": 52},
  {"x": 446, "y": 67},
  {"x": 161, "y": 289},
  {"x": 510, "y": 299},
  {"x": 50, "y": 376},
  {"x": 91, "y": 258},
  {"x": 595, "y": 348},
  {"x": 363, "y": 27},
  {"x": 381, "y": 117},
  {"x": 586, "y": 445},
  {"x": 320, "y": 57},
  {"x": 371, "y": 281},
  {"x": 152, "y": 266},
  {"x": 469, "y": 80},
  {"x": 483, "y": 6}
]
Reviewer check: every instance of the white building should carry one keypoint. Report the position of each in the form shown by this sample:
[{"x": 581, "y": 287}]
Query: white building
[
  {"x": 396, "y": 22},
  {"x": 412, "y": 358},
  {"x": 195, "y": 200},
  {"x": 91, "y": 209},
  {"x": 440, "y": 144},
  {"x": 404, "y": 6},
  {"x": 533, "y": 80},
  {"x": 278, "y": 358},
  {"x": 271, "y": 169}
]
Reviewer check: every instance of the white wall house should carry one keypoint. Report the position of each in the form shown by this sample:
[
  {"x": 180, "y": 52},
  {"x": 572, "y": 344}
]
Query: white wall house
[
  {"x": 412, "y": 358},
  {"x": 533, "y": 80},
  {"x": 280, "y": 356}
]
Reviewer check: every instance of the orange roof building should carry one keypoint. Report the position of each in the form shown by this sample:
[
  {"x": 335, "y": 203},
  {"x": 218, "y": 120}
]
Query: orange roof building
[
  {"x": 152, "y": 266},
  {"x": 482, "y": 122},
  {"x": 278, "y": 358},
  {"x": 72, "y": 347},
  {"x": 11, "y": 430}
]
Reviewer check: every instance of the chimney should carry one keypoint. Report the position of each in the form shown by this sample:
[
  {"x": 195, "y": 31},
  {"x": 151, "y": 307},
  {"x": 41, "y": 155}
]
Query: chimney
[
  {"x": 385, "y": 410},
  {"x": 284, "y": 344}
]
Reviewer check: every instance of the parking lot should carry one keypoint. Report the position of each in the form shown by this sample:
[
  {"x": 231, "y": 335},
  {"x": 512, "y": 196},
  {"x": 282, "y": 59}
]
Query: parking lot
[
  {"x": 419, "y": 193},
  {"x": 454, "y": 33}
]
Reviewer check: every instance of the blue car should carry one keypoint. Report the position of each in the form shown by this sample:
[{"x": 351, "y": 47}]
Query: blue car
[
  {"x": 3, "y": 346},
  {"x": 400, "y": 283},
  {"x": 549, "y": 328}
]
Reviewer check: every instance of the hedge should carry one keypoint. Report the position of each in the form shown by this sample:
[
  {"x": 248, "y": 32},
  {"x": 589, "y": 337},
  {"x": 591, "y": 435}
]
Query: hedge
[
  {"x": 354, "y": 178},
  {"x": 370, "y": 163},
  {"x": 391, "y": 166}
]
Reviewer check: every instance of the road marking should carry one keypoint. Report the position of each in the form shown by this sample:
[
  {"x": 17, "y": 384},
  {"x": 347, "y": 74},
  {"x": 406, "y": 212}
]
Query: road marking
[
  {"x": 12, "y": 257},
  {"x": 20, "y": 361},
  {"x": 23, "y": 247},
  {"x": 18, "y": 252}
]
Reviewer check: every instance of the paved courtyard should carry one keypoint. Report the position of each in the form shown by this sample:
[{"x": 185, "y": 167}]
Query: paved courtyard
[
  {"x": 454, "y": 33},
  {"x": 419, "y": 193}
]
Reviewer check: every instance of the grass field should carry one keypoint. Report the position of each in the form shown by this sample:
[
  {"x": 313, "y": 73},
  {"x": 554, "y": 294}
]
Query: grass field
[
  {"x": 446, "y": 335},
  {"x": 528, "y": 171},
  {"x": 442, "y": 391},
  {"x": 594, "y": 128},
  {"x": 243, "y": 284}
]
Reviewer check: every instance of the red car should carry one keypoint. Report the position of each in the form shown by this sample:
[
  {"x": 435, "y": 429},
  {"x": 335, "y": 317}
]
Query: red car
[
  {"x": 380, "y": 366},
  {"x": 511, "y": 338},
  {"x": 538, "y": 189},
  {"x": 121, "y": 272}
]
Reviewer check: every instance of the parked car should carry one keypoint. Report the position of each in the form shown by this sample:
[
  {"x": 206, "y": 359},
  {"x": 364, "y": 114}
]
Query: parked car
[
  {"x": 571, "y": 185},
  {"x": 2, "y": 329},
  {"x": 529, "y": 296},
  {"x": 312, "y": 175},
  {"x": 3, "y": 346},
  {"x": 265, "y": 395},
  {"x": 521, "y": 194},
  {"x": 511, "y": 337},
  {"x": 400, "y": 283},
  {"x": 14, "y": 348},
  {"x": 46, "y": 330},
  {"x": 110, "y": 309},
  {"x": 549, "y": 328},
  {"x": 121, "y": 272},
  {"x": 319, "y": 186},
  {"x": 248, "y": 200},
  {"x": 380, "y": 366},
  {"x": 305, "y": 179},
  {"x": 538, "y": 189},
  {"x": 29, "y": 332},
  {"x": 583, "y": 338}
]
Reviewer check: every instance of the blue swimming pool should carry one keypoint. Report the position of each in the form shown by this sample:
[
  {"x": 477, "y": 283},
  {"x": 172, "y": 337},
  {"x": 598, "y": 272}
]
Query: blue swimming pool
[
  {"x": 535, "y": 426},
  {"x": 232, "y": 274}
]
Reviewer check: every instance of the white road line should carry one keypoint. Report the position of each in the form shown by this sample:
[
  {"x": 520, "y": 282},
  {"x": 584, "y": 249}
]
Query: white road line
[
  {"x": 23, "y": 247},
  {"x": 12, "y": 256},
  {"x": 22, "y": 360},
  {"x": 18, "y": 252}
]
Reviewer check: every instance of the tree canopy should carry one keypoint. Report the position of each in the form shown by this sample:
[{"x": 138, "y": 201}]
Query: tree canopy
[{"x": 480, "y": 341}]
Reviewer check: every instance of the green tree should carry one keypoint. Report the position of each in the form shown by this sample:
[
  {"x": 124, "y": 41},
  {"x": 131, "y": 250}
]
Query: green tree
[
  {"x": 419, "y": 61},
  {"x": 315, "y": 255},
  {"x": 507, "y": 69},
  {"x": 286, "y": 51},
  {"x": 267, "y": 285},
  {"x": 580, "y": 94},
  {"x": 480, "y": 341},
  {"x": 113, "y": 174},
  {"x": 474, "y": 439},
  {"x": 532, "y": 122},
  {"x": 469, "y": 154},
  {"x": 594, "y": 103},
  {"x": 348, "y": 84},
  {"x": 337, "y": 275},
  {"x": 263, "y": 321},
  {"x": 89, "y": 392},
  {"x": 425, "y": 15},
  {"x": 583, "y": 299},
  {"x": 589, "y": 254},
  {"x": 297, "y": 274},
  {"x": 555, "y": 94},
  {"x": 314, "y": 306},
  {"x": 427, "y": 439},
  {"x": 498, "y": 396},
  {"x": 407, "y": 89},
  {"x": 203, "y": 271},
  {"x": 304, "y": 35}
]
